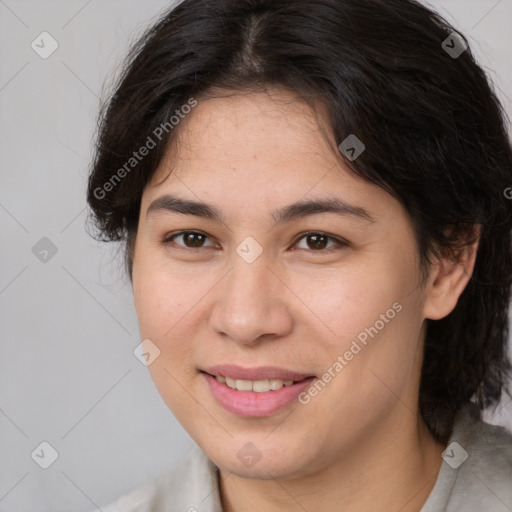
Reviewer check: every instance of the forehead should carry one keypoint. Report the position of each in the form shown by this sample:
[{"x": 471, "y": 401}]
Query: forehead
[
  {"x": 264, "y": 149},
  {"x": 273, "y": 135}
]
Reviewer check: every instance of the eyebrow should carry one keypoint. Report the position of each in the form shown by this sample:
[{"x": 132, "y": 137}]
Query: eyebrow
[{"x": 298, "y": 210}]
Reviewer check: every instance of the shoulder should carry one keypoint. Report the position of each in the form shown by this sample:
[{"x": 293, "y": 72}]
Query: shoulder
[
  {"x": 188, "y": 485},
  {"x": 488, "y": 470},
  {"x": 476, "y": 473}
]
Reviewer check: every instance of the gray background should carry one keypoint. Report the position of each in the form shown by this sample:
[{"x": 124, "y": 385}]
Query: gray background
[{"x": 68, "y": 375}]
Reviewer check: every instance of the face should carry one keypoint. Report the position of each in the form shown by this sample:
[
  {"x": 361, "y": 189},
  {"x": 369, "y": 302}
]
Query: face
[{"x": 248, "y": 288}]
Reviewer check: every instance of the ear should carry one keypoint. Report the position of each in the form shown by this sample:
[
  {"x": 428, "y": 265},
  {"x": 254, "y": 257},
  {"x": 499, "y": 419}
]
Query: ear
[{"x": 448, "y": 277}]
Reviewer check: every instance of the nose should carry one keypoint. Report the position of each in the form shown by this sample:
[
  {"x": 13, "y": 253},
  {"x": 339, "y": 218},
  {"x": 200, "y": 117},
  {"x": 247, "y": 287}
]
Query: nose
[{"x": 250, "y": 304}]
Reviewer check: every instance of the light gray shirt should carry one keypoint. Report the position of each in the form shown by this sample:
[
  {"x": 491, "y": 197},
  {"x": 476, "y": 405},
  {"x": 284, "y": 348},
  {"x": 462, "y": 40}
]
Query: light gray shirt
[{"x": 475, "y": 476}]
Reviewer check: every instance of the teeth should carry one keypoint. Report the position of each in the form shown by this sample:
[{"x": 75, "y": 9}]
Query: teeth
[
  {"x": 259, "y": 386},
  {"x": 244, "y": 385},
  {"x": 276, "y": 384}
]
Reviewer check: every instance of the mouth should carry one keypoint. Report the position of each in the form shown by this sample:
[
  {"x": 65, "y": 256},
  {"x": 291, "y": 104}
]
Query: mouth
[
  {"x": 255, "y": 392},
  {"x": 258, "y": 386}
]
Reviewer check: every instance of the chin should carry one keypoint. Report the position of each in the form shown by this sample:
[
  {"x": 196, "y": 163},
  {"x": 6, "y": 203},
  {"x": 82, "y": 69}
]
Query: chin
[{"x": 261, "y": 458}]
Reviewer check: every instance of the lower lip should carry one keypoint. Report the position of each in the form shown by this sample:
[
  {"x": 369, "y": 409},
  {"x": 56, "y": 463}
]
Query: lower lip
[{"x": 252, "y": 404}]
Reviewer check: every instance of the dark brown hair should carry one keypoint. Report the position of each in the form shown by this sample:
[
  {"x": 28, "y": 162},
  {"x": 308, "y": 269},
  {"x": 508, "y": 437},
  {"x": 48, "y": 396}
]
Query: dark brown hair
[{"x": 434, "y": 131}]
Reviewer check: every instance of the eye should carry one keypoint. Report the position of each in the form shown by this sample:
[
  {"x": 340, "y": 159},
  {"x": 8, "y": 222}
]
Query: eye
[
  {"x": 315, "y": 241},
  {"x": 319, "y": 242},
  {"x": 190, "y": 239}
]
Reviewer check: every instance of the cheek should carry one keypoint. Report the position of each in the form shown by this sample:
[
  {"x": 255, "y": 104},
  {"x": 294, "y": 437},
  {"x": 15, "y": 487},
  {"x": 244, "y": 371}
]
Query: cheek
[
  {"x": 345, "y": 301},
  {"x": 162, "y": 306},
  {"x": 164, "y": 302},
  {"x": 160, "y": 297},
  {"x": 380, "y": 352},
  {"x": 152, "y": 298},
  {"x": 371, "y": 317}
]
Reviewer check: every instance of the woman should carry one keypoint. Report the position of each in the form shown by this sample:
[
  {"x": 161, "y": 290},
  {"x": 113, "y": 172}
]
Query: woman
[{"x": 312, "y": 200}]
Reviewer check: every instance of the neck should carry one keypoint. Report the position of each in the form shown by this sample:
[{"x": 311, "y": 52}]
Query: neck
[{"x": 387, "y": 470}]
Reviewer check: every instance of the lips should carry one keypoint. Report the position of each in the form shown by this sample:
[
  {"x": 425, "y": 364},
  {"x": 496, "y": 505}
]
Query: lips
[
  {"x": 256, "y": 374},
  {"x": 253, "y": 404},
  {"x": 255, "y": 392}
]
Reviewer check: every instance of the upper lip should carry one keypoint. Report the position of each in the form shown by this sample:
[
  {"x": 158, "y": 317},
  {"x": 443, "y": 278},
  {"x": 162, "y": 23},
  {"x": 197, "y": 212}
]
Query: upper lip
[{"x": 258, "y": 373}]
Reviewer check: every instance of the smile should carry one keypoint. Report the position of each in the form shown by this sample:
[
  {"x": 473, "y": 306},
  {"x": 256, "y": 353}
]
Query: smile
[
  {"x": 255, "y": 398},
  {"x": 259, "y": 386}
]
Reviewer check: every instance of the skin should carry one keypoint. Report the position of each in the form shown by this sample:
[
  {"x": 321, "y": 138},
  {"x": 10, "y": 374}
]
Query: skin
[{"x": 360, "y": 444}]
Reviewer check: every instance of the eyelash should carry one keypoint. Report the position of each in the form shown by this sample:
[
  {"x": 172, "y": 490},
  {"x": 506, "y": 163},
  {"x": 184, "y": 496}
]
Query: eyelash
[{"x": 339, "y": 243}]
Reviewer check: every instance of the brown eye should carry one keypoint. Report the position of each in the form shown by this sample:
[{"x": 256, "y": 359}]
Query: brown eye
[
  {"x": 319, "y": 242},
  {"x": 190, "y": 239},
  {"x": 315, "y": 242}
]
